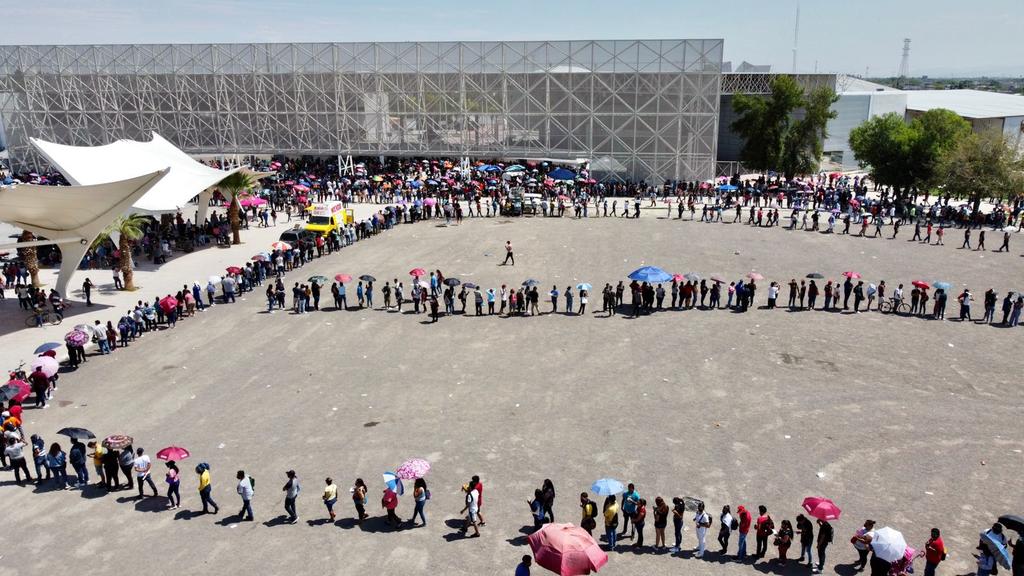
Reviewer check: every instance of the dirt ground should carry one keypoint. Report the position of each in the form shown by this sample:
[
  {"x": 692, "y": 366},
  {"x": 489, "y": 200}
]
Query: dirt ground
[{"x": 911, "y": 422}]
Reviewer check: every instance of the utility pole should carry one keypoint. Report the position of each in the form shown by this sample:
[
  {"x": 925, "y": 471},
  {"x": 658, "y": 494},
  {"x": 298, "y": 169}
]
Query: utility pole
[
  {"x": 796, "y": 36},
  {"x": 904, "y": 70}
]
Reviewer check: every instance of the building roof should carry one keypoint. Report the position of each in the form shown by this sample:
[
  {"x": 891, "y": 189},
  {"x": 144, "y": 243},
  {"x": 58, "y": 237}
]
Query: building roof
[
  {"x": 850, "y": 84},
  {"x": 124, "y": 159},
  {"x": 967, "y": 103}
]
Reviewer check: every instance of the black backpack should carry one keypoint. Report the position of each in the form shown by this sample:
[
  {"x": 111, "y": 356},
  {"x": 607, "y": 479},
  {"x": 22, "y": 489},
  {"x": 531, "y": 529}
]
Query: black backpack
[
  {"x": 592, "y": 510},
  {"x": 252, "y": 483},
  {"x": 735, "y": 524}
]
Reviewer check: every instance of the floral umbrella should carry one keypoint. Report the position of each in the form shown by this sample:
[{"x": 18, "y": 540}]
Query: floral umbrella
[
  {"x": 412, "y": 469},
  {"x": 76, "y": 338}
]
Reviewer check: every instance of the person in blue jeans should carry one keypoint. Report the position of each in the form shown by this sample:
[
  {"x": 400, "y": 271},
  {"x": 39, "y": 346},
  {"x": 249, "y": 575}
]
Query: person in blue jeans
[
  {"x": 611, "y": 520},
  {"x": 77, "y": 458},
  {"x": 57, "y": 462},
  {"x": 420, "y": 495}
]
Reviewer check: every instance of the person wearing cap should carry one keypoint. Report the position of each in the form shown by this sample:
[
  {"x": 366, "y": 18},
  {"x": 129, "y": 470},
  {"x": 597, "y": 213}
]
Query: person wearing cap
[
  {"x": 745, "y": 521},
  {"x": 291, "y": 490}
]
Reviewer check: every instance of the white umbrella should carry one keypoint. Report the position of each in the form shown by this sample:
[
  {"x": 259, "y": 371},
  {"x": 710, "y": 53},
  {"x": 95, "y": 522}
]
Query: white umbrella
[
  {"x": 888, "y": 544},
  {"x": 214, "y": 279}
]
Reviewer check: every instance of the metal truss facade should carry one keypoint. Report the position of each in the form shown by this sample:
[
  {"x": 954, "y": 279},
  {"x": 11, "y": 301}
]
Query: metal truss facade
[
  {"x": 641, "y": 109},
  {"x": 743, "y": 83}
]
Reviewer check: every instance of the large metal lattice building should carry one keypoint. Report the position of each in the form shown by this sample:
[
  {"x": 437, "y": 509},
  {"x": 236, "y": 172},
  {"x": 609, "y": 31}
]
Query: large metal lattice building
[{"x": 638, "y": 109}]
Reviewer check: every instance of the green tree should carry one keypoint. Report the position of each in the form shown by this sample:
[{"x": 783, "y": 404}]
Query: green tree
[
  {"x": 234, "y": 186},
  {"x": 785, "y": 130},
  {"x": 982, "y": 165},
  {"x": 129, "y": 228},
  {"x": 905, "y": 155}
]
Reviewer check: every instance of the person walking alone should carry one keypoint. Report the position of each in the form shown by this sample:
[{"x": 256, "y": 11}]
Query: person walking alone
[
  {"x": 508, "y": 254},
  {"x": 245, "y": 490}
]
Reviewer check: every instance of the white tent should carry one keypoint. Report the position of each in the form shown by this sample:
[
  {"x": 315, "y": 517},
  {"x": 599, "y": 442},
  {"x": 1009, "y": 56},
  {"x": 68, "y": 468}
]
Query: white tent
[
  {"x": 72, "y": 216},
  {"x": 86, "y": 165}
]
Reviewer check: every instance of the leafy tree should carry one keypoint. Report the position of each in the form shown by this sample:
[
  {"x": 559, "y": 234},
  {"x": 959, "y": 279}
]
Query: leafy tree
[
  {"x": 29, "y": 256},
  {"x": 905, "y": 155},
  {"x": 234, "y": 186},
  {"x": 784, "y": 131},
  {"x": 129, "y": 228},
  {"x": 982, "y": 165}
]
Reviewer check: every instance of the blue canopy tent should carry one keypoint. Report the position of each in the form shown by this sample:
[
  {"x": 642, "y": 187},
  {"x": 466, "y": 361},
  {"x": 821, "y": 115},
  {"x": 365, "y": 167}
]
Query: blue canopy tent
[{"x": 562, "y": 174}]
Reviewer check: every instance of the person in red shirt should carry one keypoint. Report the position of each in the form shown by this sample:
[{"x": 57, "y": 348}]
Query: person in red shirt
[
  {"x": 476, "y": 484},
  {"x": 744, "y": 528},
  {"x": 390, "y": 503},
  {"x": 934, "y": 552},
  {"x": 764, "y": 527},
  {"x": 40, "y": 385}
]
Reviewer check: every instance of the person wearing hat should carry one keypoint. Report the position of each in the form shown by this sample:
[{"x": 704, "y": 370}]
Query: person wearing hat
[{"x": 291, "y": 490}]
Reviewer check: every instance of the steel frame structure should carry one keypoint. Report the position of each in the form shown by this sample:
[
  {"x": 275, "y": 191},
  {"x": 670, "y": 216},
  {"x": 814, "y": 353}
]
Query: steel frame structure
[{"x": 647, "y": 107}]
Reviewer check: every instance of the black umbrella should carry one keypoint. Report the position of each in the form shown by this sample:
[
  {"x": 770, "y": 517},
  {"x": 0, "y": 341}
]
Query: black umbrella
[
  {"x": 1013, "y": 522},
  {"x": 367, "y": 278},
  {"x": 76, "y": 433},
  {"x": 470, "y": 286},
  {"x": 531, "y": 283},
  {"x": 816, "y": 275},
  {"x": 452, "y": 281}
]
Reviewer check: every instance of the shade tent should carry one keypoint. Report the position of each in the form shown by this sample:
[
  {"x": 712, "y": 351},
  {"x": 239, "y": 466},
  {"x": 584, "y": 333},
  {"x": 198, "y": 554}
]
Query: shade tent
[
  {"x": 124, "y": 159},
  {"x": 73, "y": 216}
]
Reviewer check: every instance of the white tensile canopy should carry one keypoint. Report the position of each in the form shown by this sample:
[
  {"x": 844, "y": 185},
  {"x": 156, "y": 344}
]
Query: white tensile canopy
[
  {"x": 86, "y": 165},
  {"x": 73, "y": 216}
]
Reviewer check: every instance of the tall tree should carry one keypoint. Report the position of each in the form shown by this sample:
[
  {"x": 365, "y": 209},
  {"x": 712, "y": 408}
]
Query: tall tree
[
  {"x": 29, "y": 256},
  {"x": 234, "y": 186},
  {"x": 982, "y": 165},
  {"x": 905, "y": 155},
  {"x": 785, "y": 130},
  {"x": 128, "y": 228}
]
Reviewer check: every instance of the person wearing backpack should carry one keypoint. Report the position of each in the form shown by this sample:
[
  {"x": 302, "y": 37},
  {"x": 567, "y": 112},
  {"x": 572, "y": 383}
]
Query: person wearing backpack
[
  {"x": 824, "y": 539},
  {"x": 934, "y": 553},
  {"x": 589, "y": 520},
  {"x": 611, "y": 520},
  {"x": 420, "y": 495},
  {"x": 246, "y": 488},
  {"x": 727, "y": 525},
  {"x": 764, "y": 527},
  {"x": 703, "y": 521}
]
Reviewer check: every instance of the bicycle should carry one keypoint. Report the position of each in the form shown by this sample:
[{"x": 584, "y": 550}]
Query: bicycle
[
  {"x": 894, "y": 306},
  {"x": 46, "y": 316}
]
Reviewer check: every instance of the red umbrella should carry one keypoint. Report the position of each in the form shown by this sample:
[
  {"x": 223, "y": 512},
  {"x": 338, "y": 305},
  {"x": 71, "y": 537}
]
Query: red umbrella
[
  {"x": 852, "y": 275},
  {"x": 921, "y": 284},
  {"x": 567, "y": 550},
  {"x": 17, "y": 390},
  {"x": 342, "y": 278},
  {"x": 234, "y": 270},
  {"x": 677, "y": 277},
  {"x": 175, "y": 453},
  {"x": 282, "y": 246},
  {"x": 821, "y": 508},
  {"x": 168, "y": 303},
  {"x": 417, "y": 272}
]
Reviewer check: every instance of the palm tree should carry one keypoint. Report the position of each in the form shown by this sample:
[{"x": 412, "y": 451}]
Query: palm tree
[
  {"x": 30, "y": 256},
  {"x": 234, "y": 186},
  {"x": 129, "y": 228}
]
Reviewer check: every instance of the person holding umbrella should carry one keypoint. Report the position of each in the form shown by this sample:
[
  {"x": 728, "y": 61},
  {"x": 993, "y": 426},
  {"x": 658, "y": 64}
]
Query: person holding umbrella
[
  {"x": 825, "y": 535},
  {"x": 611, "y": 520},
  {"x": 173, "y": 479}
]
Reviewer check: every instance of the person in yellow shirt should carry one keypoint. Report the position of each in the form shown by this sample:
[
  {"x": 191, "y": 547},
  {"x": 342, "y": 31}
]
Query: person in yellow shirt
[
  {"x": 330, "y": 496},
  {"x": 611, "y": 520},
  {"x": 97, "y": 461},
  {"x": 203, "y": 469}
]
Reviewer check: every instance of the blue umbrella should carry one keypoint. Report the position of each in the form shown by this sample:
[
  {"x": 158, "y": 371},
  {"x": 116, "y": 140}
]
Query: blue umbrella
[
  {"x": 490, "y": 168},
  {"x": 997, "y": 548},
  {"x": 531, "y": 283},
  {"x": 416, "y": 184},
  {"x": 727, "y": 188},
  {"x": 607, "y": 487},
  {"x": 584, "y": 286},
  {"x": 650, "y": 274},
  {"x": 562, "y": 174},
  {"x": 432, "y": 182},
  {"x": 47, "y": 347},
  {"x": 392, "y": 481},
  {"x": 515, "y": 168},
  {"x": 942, "y": 285}
]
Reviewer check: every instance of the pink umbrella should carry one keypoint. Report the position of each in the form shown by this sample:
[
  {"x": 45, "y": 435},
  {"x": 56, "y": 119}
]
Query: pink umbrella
[
  {"x": 821, "y": 508},
  {"x": 48, "y": 365},
  {"x": 251, "y": 201},
  {"x": 300, "y": 188},
  {"x": 168, "y": 303},
  {"x": 755, "y": 276},
  {"x": 677, "y": 277},
  {"x": 342, "y": 278},
  {"x": 852, "y": 275},
  {"x": 282, "y": 246},
  {"x": 175, "y": 453},
  {"x": 412, "y": 469},
  {"x": 567, "y": 550},
  {"x": 417, "y": 272}
]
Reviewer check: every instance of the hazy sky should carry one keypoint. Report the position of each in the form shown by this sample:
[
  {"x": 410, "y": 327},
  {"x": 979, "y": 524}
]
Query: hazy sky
[{"x": 851, "y": 36}]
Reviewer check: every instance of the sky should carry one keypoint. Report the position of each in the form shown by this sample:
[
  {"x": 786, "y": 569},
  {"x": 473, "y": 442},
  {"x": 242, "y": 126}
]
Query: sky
[{"x": 863, "y": 37}]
